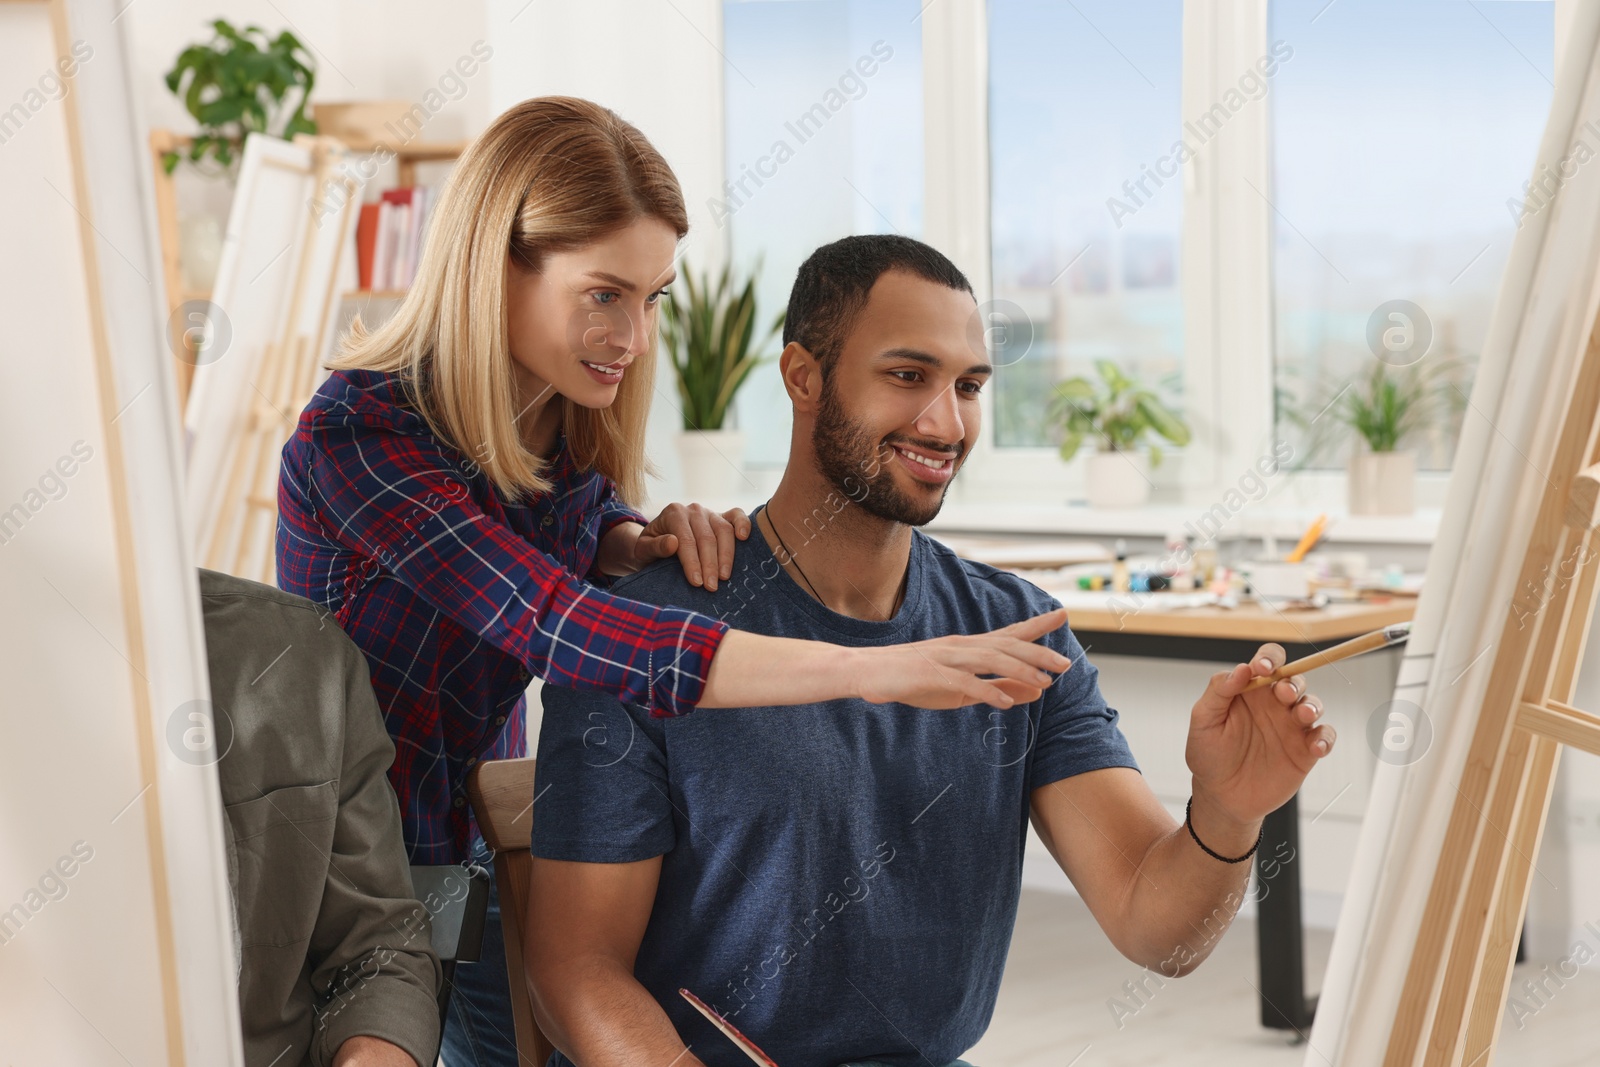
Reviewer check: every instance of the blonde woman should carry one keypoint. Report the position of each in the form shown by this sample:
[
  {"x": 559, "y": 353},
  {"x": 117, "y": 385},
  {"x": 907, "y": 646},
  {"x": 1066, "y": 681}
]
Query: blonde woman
[{"x": 459, "y": 490}]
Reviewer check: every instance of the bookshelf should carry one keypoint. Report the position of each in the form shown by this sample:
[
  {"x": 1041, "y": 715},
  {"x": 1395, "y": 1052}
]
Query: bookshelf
[
  {"x": 370, "y": 127},
  {"x": 406, "y": 155}
]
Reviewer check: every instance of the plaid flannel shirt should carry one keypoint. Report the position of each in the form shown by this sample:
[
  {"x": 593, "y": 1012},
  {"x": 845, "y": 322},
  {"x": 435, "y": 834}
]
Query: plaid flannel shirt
[{"x": 459, "y": 597}]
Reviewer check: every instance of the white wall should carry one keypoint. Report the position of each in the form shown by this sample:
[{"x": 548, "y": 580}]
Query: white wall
[{"x": 365, "y": 50}]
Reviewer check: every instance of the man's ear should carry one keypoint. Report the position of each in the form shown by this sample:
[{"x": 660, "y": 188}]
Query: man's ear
[{"x": 802, "y": 377}]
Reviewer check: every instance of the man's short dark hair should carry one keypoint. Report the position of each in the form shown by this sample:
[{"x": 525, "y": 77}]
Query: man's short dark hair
[{"x": 832, "y": 286}]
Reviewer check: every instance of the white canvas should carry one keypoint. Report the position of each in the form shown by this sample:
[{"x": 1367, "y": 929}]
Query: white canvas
[
  {"x": 115, "y": 938},
  {"x": 1542, "y": 321}
]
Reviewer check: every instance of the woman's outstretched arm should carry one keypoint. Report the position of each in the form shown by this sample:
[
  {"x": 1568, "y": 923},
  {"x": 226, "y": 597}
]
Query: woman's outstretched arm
[
  {"x": 400, "y": 500},
  {"x": 752, "y": 670}
]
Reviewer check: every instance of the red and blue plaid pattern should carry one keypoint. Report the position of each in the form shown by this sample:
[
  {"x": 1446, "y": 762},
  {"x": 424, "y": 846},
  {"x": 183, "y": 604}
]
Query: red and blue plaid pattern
[{"x": 459, "y": 597}]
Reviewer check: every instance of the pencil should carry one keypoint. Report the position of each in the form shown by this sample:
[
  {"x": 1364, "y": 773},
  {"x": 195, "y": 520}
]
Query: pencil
[
  {"x": 730, "y": 1031},
  {"x": 1389, "y": 635},
  {"x": 1313, "y": 532}
]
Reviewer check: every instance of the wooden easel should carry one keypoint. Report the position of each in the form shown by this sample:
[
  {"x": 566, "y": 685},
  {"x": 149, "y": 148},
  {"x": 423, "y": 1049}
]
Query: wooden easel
[
  {"x": 1460, "y": 969},
  {"x": 178, "y": 340}
]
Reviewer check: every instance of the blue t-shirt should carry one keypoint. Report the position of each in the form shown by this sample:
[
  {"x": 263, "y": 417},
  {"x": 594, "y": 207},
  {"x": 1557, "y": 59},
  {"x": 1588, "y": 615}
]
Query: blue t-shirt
[{"x": 839, "y": 879}]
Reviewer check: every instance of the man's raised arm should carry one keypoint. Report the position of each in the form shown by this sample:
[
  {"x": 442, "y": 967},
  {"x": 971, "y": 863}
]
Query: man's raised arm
[{"x": 1161, "y": 898}]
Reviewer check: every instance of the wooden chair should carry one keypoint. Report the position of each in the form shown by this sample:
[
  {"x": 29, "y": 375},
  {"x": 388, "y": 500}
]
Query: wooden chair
[{"x": 502, "y": 801}]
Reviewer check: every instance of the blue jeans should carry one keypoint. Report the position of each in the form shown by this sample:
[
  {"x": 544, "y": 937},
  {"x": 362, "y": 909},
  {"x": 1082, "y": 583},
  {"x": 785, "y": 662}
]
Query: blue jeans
[{"x": 479, "y": 1031}]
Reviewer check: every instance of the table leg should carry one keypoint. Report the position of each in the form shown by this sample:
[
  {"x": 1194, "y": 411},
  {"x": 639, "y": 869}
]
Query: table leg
[{"x": 1280, "y": 937}]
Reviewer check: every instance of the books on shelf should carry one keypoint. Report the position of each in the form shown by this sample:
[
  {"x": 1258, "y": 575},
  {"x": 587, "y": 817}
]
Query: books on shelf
[{"x": 389, "y": 237}]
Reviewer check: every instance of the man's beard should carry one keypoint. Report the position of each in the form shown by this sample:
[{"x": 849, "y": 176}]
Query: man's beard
[{"x": 858, "y": 466}]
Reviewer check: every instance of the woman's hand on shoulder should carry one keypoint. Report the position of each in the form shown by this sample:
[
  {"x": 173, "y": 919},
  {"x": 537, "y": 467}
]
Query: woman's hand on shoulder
[{"x": 702, "y": 539}]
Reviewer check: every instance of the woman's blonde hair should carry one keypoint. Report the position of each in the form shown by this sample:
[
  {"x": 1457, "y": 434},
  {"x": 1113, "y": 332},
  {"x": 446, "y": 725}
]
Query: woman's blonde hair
[{"x": 551, "y": 174}]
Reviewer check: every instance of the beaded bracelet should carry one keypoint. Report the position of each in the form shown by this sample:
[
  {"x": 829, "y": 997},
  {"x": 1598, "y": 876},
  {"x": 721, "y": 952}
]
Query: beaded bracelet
[{"x": 1214, "y": 855}]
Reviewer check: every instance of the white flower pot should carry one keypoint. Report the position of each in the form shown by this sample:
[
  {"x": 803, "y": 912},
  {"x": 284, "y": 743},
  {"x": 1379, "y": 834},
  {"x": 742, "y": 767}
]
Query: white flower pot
[
  {"x": 1383, "y": 483},
  {"x": 1117, "y": 479},
  {"x": 713, "y": 464}
]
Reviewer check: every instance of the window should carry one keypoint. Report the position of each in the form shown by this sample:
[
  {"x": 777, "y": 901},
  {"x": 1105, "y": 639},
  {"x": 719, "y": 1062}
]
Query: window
[
  {"x": 1086, "y": 196},
  {"x": 824, "y": 138},
  {"x": 1402, "y": 135}
]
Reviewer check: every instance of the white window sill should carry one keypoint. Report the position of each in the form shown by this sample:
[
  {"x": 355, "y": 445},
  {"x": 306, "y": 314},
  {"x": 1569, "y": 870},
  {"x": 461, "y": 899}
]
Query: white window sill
[{"x": 1069, "y": 520}]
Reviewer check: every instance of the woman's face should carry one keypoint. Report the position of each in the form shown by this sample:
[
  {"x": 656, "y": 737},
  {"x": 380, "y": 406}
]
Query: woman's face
[{"x": 577, "y": 324}]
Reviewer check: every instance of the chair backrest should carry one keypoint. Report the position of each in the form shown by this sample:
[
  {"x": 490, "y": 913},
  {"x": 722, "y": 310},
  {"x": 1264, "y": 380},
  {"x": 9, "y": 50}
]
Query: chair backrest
[
  {"x": 502, "y": 801},
  {"x": 457, "y": 901}
]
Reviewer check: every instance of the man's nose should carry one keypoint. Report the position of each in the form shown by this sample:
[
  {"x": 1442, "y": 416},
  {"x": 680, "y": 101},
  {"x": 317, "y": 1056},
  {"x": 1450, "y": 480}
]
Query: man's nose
[{"x": 941, "y": 419}]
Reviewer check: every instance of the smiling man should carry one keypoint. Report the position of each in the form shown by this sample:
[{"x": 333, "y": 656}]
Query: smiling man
[{"x": 842, "y": 885}]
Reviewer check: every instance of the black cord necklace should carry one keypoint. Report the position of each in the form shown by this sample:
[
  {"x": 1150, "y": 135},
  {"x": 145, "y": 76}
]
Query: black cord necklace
[
  {"x": 767, "y": 507},
  {"x": 775, "y": 532}
]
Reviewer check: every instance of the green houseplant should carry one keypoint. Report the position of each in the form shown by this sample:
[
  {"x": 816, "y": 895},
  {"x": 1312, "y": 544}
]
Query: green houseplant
[
  {"x": 709, "y": 334},
  {"x": 1119, "y": 413},
  {"x": 1384, "y": 410},
  {"x": 238, "y": 83}
]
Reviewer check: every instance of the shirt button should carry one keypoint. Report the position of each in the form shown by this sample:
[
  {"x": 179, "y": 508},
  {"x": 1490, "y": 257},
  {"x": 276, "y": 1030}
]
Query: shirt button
[
  {"x": 499, "y": 719},
  {"x": 471, "y": 760},
  {"x": 459, "y": 801},
  {"x": 548, "y": 520}
]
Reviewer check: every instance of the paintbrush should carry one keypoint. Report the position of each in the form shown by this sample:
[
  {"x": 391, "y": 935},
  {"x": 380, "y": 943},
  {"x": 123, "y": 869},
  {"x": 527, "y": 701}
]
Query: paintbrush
[
  {"x": 1389, "y": 635},
  {"x": 748, "y": 1047}
]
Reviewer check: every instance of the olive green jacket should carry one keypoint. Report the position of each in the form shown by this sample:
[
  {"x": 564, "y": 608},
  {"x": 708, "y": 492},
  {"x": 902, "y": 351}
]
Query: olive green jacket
[{"x": 330, "y": 939}]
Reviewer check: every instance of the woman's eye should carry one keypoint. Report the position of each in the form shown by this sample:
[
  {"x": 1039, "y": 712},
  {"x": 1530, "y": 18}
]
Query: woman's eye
[
  {"x": 658, "y": 294},
  {"x": 605, "y": 298}
]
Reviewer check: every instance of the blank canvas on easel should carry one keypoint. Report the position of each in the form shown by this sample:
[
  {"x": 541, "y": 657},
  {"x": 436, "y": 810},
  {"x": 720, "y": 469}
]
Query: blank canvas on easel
[
  {"x": 115, "y": 928},
  {"x": 1543, "y": 323}
]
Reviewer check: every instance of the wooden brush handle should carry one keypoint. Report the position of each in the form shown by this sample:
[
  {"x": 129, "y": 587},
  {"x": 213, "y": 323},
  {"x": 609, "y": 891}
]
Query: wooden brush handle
[{"x": 1344, "y": 650}]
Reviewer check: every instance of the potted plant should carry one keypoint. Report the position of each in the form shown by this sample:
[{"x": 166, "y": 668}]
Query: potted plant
[
  {"x": 238, "y": 83},
  {"x": 1119, "y": 413},
  {"x": 709, "y": 335},
  {"x": 235, "y": 84},
  {"x": 1385, "y": 409}
]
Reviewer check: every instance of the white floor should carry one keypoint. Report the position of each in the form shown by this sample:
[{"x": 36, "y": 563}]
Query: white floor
[{"x": 1061, "y": 974}]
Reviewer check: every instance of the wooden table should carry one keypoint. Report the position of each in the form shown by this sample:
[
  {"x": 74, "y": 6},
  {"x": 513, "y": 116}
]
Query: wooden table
[{"x": 1250, "y": 622}]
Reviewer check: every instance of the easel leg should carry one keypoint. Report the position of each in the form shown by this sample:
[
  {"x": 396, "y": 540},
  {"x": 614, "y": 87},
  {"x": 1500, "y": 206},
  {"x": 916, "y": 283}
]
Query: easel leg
[{"x": 1481, "y": 1028}]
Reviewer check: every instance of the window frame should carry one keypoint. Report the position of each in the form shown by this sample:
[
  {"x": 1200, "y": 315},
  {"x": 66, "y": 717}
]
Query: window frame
[
  {"x": 1228, "y": 359},
  {"x": 1229, "y": 346}
]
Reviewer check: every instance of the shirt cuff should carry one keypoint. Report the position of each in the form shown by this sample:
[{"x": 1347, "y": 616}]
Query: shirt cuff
[
  {"x": 681, "y": 659},
  {"x": 610, "y": 519},
  {"x": 395, "y": 1010},
  {"x": 617, "y": 515}
]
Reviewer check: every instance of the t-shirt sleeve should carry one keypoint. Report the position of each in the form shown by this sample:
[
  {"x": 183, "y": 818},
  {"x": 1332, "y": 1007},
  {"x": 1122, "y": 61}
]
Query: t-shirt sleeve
[
  {"x": 1078, "y": 731},
  {"x": 600, "y": 789}
]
